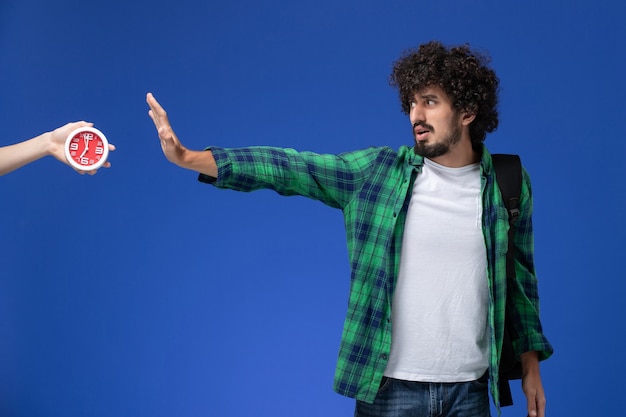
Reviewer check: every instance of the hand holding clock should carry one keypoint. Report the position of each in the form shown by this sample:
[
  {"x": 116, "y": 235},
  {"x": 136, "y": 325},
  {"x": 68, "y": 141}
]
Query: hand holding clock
[
  {"x": 52, "y": 143},
  {"x": 85, "y": 132}
]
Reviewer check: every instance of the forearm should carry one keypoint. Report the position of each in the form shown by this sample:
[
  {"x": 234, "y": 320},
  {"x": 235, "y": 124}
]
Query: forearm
[
  {"x": 15, "y": 156},
  {"x": 530, "y": 363},
  {"x": 198, "y": 161},
  {"x": 331, "y": 179},
  {"x": 532, "y": 385}
]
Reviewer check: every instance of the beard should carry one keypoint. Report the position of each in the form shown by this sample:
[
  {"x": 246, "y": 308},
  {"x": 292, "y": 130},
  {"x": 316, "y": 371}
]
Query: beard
[{"x": 435, "y": 150}]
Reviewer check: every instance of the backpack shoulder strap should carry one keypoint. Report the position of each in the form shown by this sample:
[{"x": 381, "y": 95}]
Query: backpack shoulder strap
[{"x": 509, "y": 179}]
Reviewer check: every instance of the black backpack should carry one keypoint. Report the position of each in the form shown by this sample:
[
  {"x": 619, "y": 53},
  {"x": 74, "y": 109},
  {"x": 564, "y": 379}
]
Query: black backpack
[{"x": 509, "y": 178}]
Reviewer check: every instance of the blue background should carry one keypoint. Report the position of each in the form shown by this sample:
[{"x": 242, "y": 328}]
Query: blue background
[{"x": 142, "y": 292}]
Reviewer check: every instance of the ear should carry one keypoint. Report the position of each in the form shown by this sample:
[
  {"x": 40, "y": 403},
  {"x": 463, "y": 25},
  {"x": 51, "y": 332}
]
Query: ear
[{"x": 467, "y": 118}]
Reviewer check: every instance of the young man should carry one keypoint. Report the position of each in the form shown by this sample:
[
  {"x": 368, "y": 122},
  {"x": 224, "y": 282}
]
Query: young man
[
  {"x": 52, "y": 143},
  {"x": 427, "y": 232}
]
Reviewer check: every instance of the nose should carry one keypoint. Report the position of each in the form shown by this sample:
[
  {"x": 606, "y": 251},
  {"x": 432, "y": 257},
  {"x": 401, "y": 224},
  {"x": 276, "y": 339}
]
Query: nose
[{"x": 416, "y": 113}]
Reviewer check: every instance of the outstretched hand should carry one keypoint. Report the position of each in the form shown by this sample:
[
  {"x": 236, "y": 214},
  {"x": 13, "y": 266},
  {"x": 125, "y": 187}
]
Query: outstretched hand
[
  {"x": 199, "y": 161},
  {"x": 173, "y": 150}
]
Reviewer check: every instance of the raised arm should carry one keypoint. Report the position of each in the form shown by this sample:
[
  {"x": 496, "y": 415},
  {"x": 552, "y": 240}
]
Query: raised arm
[
  {"x": 16, "y": 156},
  {"x": 199, "y": 161}
]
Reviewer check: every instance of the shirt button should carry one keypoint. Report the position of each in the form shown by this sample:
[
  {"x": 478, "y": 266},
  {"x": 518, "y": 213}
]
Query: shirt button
[
  {"x": 394, "y": 214},
  {"x": 384, "y": 356}
]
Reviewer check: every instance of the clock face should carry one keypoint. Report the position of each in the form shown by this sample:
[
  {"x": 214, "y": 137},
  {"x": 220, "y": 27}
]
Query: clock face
[{"x": 86, "y": 148}]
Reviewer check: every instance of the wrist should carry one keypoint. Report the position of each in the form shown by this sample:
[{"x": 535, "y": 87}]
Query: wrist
[
  {"x": 199, "y": 161},
  {"x": 530, "y": 362},
  {"x": 186, "y": 158},
  {"x": 44, "y": 144}
]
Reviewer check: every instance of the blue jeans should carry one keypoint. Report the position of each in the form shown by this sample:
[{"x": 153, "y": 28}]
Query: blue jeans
[{"x": 398, "y": 398}]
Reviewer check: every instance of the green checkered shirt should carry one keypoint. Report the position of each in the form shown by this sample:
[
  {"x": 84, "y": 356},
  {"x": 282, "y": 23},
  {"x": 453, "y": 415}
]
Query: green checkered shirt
[{"x": 372, "y": 187}]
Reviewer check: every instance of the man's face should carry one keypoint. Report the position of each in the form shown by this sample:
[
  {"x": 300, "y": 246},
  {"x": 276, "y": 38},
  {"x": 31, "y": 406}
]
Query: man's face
[{"x": 436, "y": 125}]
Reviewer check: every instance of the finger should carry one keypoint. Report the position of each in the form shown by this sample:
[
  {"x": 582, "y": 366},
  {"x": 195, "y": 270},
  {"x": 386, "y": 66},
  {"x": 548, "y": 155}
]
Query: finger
[
  {"x": 111, "y": 147},
  {"x": 541, "y": 406},
  {"x": 155, "y": 106},
  {"x": 151, "y": 100},
  {"x": 159, "y": 115},
  {"x": 152, "y": 103},
  {"x": 81, "y": 123},
  {"x": 532, "y": 406},
  {"x": 153, "y": 117},
  {"x": 159, "y": 121}
]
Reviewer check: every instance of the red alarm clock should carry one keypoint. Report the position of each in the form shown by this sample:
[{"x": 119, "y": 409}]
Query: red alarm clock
[{"x": 86, "y": 148}]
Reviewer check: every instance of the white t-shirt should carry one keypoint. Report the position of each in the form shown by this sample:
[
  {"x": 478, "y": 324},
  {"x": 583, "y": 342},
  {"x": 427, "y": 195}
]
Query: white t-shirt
[{"x": 440, "y": 304}]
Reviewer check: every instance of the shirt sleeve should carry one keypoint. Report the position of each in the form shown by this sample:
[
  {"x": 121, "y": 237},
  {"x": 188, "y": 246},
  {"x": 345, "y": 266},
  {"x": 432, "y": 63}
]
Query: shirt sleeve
[
  {"x": 524, "y": 303},
  {"x": 331, "y": 179}
]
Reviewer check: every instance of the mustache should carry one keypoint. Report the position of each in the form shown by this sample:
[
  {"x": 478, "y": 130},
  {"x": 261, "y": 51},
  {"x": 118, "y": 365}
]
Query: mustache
[{"x": 424, "y": 125}]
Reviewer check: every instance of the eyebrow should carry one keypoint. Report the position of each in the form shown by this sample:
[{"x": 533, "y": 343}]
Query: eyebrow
[{"x": 425, "y": 96}]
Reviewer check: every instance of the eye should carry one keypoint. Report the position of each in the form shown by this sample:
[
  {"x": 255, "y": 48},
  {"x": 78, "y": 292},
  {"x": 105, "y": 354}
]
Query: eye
[
  {"x": 430, "y": 102},
  {"x": 412, "y": 104}
]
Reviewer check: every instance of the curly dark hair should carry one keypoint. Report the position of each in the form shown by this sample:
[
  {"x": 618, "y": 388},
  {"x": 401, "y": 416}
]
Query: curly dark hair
[{"x": 463, "y": 74}]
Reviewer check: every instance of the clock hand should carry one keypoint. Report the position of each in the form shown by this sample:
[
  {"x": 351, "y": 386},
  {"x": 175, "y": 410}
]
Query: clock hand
[{"x": 86, "y": 147}]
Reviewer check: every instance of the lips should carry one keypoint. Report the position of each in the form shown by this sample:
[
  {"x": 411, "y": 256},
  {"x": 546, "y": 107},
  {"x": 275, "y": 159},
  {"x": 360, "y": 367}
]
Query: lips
[{"x": 421, "y": 133}]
